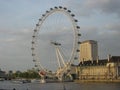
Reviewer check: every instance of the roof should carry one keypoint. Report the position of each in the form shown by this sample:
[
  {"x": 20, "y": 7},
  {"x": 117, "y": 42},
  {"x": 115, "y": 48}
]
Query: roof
[
  {"x": 114, "y": 59},
  {"x": 89, "y": 41},
  {"x": 93, "y": 63}
]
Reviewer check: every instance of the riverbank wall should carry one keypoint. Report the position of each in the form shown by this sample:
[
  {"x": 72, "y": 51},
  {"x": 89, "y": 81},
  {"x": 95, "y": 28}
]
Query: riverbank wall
[{"x": 97, "y": 81}]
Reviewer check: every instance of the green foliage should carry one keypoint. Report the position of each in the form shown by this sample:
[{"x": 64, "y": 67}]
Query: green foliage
[{"x": 30, "y": 74}]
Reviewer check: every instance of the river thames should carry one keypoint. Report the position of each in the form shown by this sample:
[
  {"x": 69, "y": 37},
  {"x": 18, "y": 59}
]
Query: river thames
[{"x": 8, "y": 85}]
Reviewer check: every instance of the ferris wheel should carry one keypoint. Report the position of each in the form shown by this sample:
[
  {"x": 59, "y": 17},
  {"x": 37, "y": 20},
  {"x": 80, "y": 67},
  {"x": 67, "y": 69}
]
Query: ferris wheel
[{"x": 56, "y": 37}]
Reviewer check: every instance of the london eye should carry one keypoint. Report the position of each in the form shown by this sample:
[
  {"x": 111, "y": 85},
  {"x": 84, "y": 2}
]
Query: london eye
[{"x": 55, "y": 41}]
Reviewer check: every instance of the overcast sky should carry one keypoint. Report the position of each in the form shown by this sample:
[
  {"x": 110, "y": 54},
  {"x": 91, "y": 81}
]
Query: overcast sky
[{"x": 99, "y": 20}]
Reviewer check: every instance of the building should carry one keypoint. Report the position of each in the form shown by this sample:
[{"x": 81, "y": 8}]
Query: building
[
  {"x": 2, "y": 74},
  {"x": 88, "y": 50},
  {"x": 105, "y": 69}
]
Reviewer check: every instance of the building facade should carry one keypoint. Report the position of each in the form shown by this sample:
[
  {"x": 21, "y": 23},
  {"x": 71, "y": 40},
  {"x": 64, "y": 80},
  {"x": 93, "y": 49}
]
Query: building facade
[
  {"x": 88, "y": 50},
  {"x": 99, "y": 70},
  {"x": 2, "y": 74}
]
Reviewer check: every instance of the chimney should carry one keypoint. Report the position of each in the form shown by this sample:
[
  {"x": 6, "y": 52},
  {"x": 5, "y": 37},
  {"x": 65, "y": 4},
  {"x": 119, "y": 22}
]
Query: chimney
[
  {"x": 83, "y": 61},
  {"x": 92, "y": 61},
  {"x": 97, "y": 59},
  {"x": 109, "y": 56}
]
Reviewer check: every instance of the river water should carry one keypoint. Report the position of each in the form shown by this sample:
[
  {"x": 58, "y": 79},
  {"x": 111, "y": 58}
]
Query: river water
[{"x": 8, "y": 85}]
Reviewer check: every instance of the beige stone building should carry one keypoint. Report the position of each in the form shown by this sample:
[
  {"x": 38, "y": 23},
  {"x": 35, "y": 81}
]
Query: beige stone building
[
  {"x": 102, "y": 69},
  {"x": 88, "y": 50}
]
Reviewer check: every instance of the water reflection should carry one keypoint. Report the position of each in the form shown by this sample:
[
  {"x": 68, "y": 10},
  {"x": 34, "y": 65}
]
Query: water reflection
[{"x": 8, "y": 85}]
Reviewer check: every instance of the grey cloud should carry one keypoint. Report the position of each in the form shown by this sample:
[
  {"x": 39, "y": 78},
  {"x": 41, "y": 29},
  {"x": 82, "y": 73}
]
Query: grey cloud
[
  {"x": 15, "y": 49},
  {"x": 106, "y": 6},
  {"x": 87, "y": 7},
  {"x": 78, "y": 7},
  {"x": 113, "y": 27}
]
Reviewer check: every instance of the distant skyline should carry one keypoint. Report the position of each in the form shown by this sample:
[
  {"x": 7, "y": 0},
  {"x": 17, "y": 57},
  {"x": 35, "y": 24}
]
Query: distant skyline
[{"x": 99, "y": 20}]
